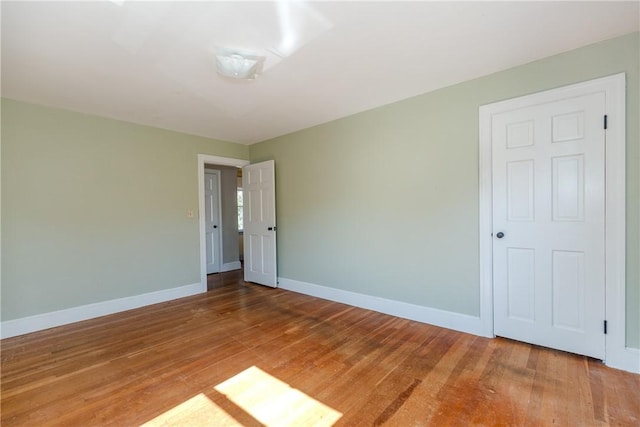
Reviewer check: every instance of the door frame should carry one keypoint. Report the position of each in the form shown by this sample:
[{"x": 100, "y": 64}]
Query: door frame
[
  {"x": 616, "y": 353},
  {"x": 219, "y": 249},
  {"x": 206, "y": 159}
]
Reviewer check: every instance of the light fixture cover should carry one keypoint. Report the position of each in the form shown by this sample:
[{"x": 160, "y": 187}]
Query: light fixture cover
[{"x": 237, "y": 64}]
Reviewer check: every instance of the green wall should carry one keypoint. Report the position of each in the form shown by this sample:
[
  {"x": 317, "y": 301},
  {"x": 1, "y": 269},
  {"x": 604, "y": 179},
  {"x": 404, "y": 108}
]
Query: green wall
[
  {"x": 95, "y": 209},
  {"x": 385, "y": 202}
]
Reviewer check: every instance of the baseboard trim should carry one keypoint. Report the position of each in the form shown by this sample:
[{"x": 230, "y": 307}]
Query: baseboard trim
[
  {"x": 432, "y": 316},
  {"x": 627, "y": 359},
  {"x": 25, "y": 325},
  {"x": 230, "y": 266}
]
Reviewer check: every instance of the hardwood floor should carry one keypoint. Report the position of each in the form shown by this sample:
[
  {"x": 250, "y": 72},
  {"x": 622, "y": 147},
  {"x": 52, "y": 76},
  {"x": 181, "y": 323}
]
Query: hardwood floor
[{"x": 243, "y": 354}]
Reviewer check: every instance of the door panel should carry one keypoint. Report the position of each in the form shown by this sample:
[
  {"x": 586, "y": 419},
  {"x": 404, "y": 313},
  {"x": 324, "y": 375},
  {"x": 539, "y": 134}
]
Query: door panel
[
  {"x": 548, "y": 200},
  {"x": 520, "y": 190},
  {"x": 520, "y": 283},
  {"x": 568, "y": 286},
  {"x": 212, "y": 221},
  {"x": 258, "y": 184},
  {"x": 568, "y": 188}
]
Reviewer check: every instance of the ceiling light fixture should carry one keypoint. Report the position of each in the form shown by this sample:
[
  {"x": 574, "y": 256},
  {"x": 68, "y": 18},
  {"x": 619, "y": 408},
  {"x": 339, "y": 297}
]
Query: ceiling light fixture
[{"x": 238, "y": 65}]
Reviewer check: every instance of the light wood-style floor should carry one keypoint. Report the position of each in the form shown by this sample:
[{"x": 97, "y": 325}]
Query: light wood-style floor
[{"x": 243, "y": 354}]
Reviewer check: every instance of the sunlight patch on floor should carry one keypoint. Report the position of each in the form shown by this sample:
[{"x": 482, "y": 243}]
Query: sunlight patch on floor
[
  {"x": 273, "y": 402},
  {"x": 197, "y": 411}
]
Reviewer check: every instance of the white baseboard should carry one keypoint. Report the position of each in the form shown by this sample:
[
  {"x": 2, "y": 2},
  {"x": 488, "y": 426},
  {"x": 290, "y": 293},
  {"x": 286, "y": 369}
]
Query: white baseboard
[
  {"x": 432, "y": 316},
  {"x": 230, "y": 266},
  {"x": 627, "y": 359},
  {"x": 25, "y": 325}
]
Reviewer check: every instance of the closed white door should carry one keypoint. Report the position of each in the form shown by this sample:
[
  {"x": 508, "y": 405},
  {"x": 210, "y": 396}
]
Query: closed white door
[
  {"x": 259, "y": 212},
  {"x": 548, "y": 224},
  {"x": 212, "y": 220}
]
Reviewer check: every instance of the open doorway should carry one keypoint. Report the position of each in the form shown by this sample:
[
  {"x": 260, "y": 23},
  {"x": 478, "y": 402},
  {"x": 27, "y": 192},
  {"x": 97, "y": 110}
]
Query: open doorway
[
  {"x": 229, "y": 250},
  {"x": 223, "y": 224},
  {"x": 221, "y": 218}
]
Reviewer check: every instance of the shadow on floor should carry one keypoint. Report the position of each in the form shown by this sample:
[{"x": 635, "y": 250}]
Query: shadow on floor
[{"x": 217, "y": 280}]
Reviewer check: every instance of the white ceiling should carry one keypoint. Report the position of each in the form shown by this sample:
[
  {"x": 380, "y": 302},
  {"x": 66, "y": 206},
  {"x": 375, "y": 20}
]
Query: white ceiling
[{"x": 152, "y": 62}]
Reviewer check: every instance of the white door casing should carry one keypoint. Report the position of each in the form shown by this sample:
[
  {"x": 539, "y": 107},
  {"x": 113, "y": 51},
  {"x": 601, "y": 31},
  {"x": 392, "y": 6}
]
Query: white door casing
[
  {"x": 212, "y": 223},
  {"x": 258, "y": 185},
  {"x": 568, "y": 166}
]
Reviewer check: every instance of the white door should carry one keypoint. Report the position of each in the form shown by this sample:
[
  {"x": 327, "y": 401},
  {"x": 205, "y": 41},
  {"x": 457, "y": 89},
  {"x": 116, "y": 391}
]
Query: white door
[
  {"x": 212, "y": 220},
  {"x": 259, "y": 211},
  {"x": 548, "y": 224}
]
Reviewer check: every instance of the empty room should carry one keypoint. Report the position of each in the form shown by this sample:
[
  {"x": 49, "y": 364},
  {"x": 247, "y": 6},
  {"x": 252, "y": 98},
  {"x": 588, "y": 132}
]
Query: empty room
[{"x": 299, "y": 213}]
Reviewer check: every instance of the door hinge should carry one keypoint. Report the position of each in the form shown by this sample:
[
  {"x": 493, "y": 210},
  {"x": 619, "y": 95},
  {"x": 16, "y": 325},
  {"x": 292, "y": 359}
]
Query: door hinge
[
  {"x": 605, "y": 327},
  {"x": 605, "y": 121}
]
